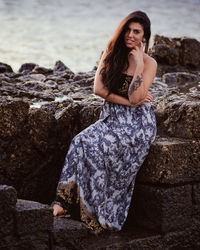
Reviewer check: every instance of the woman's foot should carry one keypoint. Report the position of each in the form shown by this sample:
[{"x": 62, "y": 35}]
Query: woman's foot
[{"x": 57, "y": 210}]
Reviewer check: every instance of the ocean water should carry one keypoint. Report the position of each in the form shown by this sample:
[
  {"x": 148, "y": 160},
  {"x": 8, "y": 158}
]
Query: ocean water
[{"x": 75, "y": 32}]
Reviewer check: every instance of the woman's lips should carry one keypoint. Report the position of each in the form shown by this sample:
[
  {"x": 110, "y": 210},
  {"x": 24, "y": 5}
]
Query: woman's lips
[{"x": 129, "y": 41}]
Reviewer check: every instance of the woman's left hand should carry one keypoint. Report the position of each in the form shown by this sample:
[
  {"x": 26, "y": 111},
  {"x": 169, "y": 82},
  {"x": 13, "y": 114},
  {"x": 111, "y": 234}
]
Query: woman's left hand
[{"x": 148, "y": 98}]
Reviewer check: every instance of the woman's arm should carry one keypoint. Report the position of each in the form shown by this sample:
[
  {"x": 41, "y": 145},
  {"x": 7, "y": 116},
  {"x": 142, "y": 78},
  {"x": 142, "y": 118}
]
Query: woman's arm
[
  {"x": 143, "y": 76},
  {"x": 101, "y": 90}
]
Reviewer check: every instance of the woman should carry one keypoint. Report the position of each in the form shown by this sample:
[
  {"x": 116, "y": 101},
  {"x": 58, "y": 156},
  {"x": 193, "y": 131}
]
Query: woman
[{"x": 102, "y": 162}]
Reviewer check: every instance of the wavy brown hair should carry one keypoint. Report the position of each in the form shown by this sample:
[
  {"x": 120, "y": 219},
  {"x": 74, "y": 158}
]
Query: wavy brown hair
[{"x": 116, "y": 60}]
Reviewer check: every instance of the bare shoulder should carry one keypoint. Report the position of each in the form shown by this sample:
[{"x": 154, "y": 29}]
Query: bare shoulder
[{"x": 150, "y": 61}]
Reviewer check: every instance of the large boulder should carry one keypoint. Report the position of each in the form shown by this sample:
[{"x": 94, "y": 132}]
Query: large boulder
[
  {"x": 169, "y": 162},
  {"x": 34, "y": 143},
  {"x": 190, "y": 53},
  {"x": 27, "y": 67},
  {"x": 182, "y": 118},
  {"x": 5, "y": 68},
  {"x": 13, "y": 118},
  {"x": 176, "y": 54}
]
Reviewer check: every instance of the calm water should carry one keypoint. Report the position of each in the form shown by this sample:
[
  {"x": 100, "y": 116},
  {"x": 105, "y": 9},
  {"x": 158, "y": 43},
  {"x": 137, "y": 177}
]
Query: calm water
[{"x": 44, "y": 31}]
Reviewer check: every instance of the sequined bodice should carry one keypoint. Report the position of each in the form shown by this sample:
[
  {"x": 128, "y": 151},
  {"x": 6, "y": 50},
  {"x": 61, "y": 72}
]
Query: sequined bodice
[{"x": 123, "y": 90}]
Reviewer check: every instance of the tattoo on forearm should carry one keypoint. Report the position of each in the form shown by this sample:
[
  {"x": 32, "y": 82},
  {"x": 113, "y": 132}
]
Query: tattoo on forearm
[{"x": 135, "y": 85}]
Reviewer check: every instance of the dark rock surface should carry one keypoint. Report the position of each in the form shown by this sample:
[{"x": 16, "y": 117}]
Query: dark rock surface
[
  {"x": 171, "y": 161},
  {"x": 41, "y": 110},
  {"x": 35, "y": 228},
  {"x": 27, "y": 67},
  {"x": 8, "y": 199},
  {"x": 31, "y": 217},
  {"x": 70, "y": 233},
  {"x": 176, "y": 54},
  {"x": 165, "y": 205},
  {"x": 5, "y": 68}
]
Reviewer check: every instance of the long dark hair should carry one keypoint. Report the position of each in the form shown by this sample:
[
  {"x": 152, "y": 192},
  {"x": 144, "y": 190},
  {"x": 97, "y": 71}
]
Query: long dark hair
[{"x": 116, "y": 59}]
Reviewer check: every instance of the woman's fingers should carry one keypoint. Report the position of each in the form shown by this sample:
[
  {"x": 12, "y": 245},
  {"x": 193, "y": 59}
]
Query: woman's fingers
[
  {"x": 149, "y": 97},
  {"x": 141, "y": 46}
]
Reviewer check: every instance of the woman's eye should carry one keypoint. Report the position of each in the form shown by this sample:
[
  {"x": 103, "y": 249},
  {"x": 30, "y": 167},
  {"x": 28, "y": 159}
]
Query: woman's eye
[{"x": 136, "y": 31}]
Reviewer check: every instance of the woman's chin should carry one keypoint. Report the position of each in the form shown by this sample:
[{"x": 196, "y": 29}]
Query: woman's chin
[{"x": 131, "y": 46}]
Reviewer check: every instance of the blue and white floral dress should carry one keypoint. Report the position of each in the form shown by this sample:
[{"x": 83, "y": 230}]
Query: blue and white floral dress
[{"x": 103, "y": 160}]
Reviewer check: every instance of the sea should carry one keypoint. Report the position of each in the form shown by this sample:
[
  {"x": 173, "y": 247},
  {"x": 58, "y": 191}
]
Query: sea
[{"x": 76, "y": 32}]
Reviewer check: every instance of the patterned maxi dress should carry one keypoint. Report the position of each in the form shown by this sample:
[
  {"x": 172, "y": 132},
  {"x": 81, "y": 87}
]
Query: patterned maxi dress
[{"x": 103, "y": 160}]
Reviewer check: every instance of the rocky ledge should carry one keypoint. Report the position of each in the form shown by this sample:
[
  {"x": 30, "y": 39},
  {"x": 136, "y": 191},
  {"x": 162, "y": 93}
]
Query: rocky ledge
[{"x": 42, "y": 109}]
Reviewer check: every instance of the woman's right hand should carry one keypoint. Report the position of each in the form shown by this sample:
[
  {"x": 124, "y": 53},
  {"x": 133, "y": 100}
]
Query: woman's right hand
[{"x": 137, "y": 54}]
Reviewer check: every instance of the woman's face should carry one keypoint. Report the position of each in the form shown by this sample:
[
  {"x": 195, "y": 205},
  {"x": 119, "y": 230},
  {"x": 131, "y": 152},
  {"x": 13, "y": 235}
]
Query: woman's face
[{"x": 134, "y": 35}]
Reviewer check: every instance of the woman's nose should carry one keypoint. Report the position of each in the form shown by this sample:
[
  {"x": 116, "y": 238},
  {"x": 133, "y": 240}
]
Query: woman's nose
[{"x": 130, "y": 34}]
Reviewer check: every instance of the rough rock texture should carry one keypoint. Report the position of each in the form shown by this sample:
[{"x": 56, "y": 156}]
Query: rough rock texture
[
  {"x": 182, "y": 119},
  {"x": 31, "y": 217},
  {"x": 171, "y": 161},
  {"x": 8, "y": 198},
  {"x": 164, "y": 206},
  {"x": 176, "y": 54},
  {"x": 70, "y": 233},
  {"x": 33, "y": 226},
  {"x": 5, "y": 68}
]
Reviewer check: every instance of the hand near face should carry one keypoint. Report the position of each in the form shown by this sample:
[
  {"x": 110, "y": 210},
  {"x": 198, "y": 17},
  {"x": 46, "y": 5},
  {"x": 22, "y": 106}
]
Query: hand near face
[{"x": 137, "y": 54}]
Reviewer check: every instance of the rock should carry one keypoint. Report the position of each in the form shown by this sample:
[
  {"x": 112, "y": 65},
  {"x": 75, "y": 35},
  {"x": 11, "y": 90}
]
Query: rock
[
  {"x": 7, "y": 223},
  {"x": 38, "y": 77},
  {"x": 60, "y": 66},
  {"x": 31, "y": 154},
  {"x": 13, "y": 118},
  {"x": 89, "y": 115},
  {"x": 42, "y": 127},
  {"x": 32, "y": 217},
  {"x": 31, "y": 77},
  {"x": 51, "y": 84},
  {"x": 175, "y": 54},
  {"x": 8, "y": 199},
  {"x": 5, "y": 68},
  {"x": 169, "y": 162},
  {"x": 67, "y": 74},
  {"x": 180, "y": 78},
  {"x": 34, "y": 85},
  {"x": 125, "y": 241},
  {"x": 179, "y": 240},
  {"x": 70, "y": 234},
  {"x": 196, "y": 194},
  {"x": 42, "y": 70},
  {"x": 172, "y": 42},
  {"x": 27, "y": 67},
  {"x": 67, "y": 126},
  {"x": 165, "y": 54},
  {"x": 163, "y": 207},
  {"x": 182, "y": 118},
  {"x": 36, "y": 241},
  {"x": 190, "y": 53}
]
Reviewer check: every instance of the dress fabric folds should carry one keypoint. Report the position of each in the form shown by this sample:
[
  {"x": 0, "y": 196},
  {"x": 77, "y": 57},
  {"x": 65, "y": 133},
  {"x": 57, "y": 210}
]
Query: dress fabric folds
[{"x": 101, "y": 165}]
